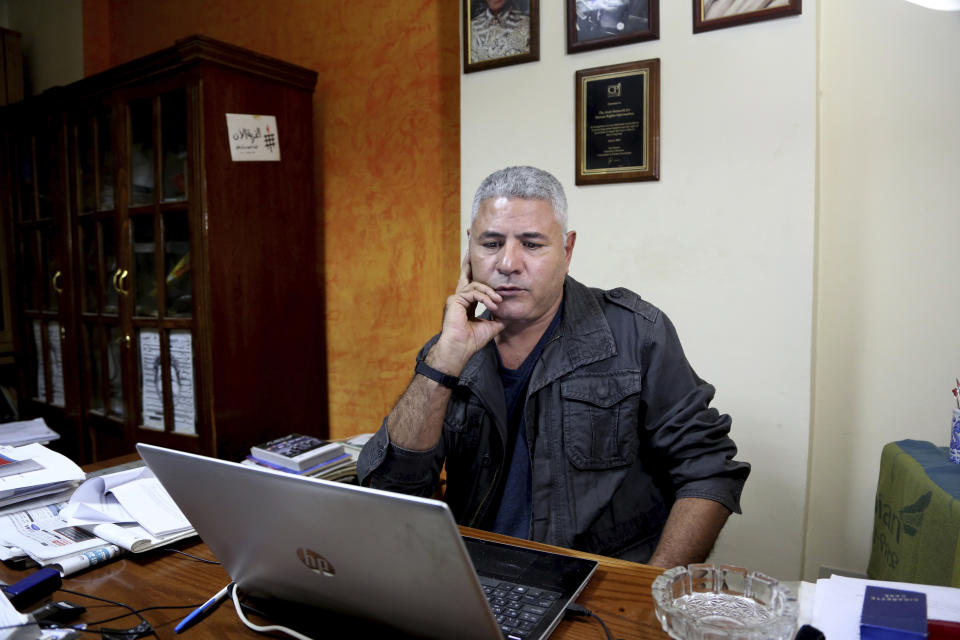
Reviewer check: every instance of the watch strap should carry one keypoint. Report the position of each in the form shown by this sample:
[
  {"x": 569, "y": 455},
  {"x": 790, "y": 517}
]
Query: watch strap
[{"x": 439, "y": 377}]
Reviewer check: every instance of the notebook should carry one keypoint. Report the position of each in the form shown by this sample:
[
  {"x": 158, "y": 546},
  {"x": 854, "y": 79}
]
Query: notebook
[{"x": 374, "y": 555}]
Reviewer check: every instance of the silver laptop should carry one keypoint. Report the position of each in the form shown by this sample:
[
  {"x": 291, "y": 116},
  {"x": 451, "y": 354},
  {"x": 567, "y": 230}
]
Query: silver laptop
[{"x": 374, "y": 555}]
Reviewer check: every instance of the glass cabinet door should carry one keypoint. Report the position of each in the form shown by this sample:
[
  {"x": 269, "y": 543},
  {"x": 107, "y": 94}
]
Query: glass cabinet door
[
  {"x": 39, "y": 245},
  {"x": 160, "y": 273},
  {"x": 101, "y": 278}
]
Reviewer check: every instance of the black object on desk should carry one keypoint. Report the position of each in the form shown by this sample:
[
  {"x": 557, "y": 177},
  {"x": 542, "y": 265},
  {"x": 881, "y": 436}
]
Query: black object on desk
[
  {"x": 59, "y": 612},
  {"x": 808, "y": 632}
]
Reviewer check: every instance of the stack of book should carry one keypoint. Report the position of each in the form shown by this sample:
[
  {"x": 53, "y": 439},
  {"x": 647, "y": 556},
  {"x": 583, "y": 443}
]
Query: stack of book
[{"x": 306, "y": 456}]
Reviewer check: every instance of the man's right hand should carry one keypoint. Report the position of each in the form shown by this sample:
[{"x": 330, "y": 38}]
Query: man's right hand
[
  {"x": 463, "y": 334},
  {"x": 416, "y": 421}
]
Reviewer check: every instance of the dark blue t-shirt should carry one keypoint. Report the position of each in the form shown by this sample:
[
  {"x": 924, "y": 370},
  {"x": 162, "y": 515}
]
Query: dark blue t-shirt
[{"x": 513, "y": 515}]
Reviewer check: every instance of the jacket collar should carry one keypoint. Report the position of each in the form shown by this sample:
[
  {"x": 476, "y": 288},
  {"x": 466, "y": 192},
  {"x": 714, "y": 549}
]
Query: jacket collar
[{"x": 584, "y": 337}]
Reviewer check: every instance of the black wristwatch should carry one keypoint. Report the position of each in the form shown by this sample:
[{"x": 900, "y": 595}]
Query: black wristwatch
[{"x": 439, "y": 377}]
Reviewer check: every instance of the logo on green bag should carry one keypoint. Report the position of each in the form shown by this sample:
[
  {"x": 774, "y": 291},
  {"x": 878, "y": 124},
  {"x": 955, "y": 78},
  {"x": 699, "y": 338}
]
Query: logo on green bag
[
  {"x": 905, "y": 521},
  {"x": 912, "y": 515}
]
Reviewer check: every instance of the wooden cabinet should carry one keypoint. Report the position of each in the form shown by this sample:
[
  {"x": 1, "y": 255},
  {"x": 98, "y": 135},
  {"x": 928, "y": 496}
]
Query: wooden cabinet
[{"x": 165, "y": 293}]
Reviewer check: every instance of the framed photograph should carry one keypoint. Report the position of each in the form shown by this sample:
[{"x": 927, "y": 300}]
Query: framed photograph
[
  {"x": 718, "y": 14},
  {"x": 497, "y": 33},
  {"x": 594, "y": 24},
  {"x": 618, "y": 123}
]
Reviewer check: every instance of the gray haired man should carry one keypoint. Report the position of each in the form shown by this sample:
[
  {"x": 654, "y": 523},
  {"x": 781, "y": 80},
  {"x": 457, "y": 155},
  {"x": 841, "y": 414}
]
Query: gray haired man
[{"x": 563, "y": 413}]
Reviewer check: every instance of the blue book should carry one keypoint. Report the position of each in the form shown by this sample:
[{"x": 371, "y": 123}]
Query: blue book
[
  {"x": 303, "y": 472},
  {"x": 892, "y": 614}
]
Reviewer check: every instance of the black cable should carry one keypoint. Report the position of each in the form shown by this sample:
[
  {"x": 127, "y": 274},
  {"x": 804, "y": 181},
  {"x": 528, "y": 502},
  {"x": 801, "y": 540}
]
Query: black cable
[
  {"x": 580, "y": 610},
  {"x": 190, "y": 555},
  {"x": 133, "y": 611},
  {"x": 108, "y": 601},
  {"x": 139, "y": 611}
]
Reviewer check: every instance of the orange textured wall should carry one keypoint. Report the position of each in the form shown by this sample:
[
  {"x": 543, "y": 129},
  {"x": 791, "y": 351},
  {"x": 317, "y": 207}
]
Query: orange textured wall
[{"x": 387, "y": 138}]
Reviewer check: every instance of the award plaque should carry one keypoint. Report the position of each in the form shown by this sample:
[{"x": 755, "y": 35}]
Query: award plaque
[{"x": 618, "y": 123}]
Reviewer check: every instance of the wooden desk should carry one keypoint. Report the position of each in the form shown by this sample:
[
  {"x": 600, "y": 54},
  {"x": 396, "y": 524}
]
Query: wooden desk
[{"x": 619, "y": 592}]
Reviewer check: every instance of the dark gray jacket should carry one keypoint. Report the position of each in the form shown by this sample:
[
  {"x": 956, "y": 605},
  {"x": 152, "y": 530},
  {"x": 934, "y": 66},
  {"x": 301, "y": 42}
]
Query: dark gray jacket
[{"x": 618, "y": 428}]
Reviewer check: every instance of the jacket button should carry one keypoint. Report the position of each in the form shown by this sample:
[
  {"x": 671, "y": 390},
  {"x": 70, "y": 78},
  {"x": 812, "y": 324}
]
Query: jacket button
[
  {"x": 485, "y": 460},
  {"x": 616, "y": 293}
]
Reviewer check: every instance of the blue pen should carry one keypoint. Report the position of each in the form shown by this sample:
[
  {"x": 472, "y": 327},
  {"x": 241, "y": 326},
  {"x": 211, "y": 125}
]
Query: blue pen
[{"x": 206, "y": 606}]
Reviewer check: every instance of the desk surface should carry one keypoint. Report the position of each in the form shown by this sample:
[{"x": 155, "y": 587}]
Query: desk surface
[{"x": 619, "y": 593}]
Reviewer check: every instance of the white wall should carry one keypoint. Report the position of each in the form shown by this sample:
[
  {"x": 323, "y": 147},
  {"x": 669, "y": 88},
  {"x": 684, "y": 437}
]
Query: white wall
[
  {"x": 723, "y": 243},
  {"x": 888, "y": 295},
  {"x": 52, "y": 40}
]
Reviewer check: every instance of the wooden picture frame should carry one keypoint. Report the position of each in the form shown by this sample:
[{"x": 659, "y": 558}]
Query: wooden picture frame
[
  {"x": 618, "y": 123},
  {"x": 610, "y": 23},
  {"x": 719, "y": 14},
  {"x": 512, "y": 36}
]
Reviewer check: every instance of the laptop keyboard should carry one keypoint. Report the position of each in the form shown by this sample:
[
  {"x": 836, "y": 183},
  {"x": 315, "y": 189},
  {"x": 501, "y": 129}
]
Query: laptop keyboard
[{"x": 517, "y": 608}]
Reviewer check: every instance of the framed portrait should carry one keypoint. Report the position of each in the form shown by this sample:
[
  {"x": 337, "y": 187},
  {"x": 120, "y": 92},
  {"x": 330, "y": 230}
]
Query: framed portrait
[
  {"x": 594, "y": 24},
  {"x": 497, "y": 33},
  {"x": 618, "y": 123},
  {"x": 718, "y": 14}
]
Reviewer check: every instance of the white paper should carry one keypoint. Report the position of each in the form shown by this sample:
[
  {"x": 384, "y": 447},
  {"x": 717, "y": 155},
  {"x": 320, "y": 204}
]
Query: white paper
[
  {"x": 93, "y": 502},
  {"x": 134, "y": 537},
  {"x": 56, "y": 364},
  {"x": 57, "y": 468},
  {"x": 181, "y": 378},
  {"x": 10, "y": 621},
  {"x": 151, "y": 506},
  {"x": 181, "y": 375},
  {"x": 134, "y": 495},
  {"x": 806, "y": 593},
  {"x": 839, "y": 602},
  {"x": 46, "y": 500},
  {"x": 253, "y": 137},
  {"x": 151, "y": 381},
  {"x": 23, "y": 432},
  {"x": 45, "y": 539}
]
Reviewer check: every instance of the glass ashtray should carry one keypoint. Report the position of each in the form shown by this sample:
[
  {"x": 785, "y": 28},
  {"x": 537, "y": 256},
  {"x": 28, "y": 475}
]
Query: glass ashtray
[{"x": 710, "y": 602}]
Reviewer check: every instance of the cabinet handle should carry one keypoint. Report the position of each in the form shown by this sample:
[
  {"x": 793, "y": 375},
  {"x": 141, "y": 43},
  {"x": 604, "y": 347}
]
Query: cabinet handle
[
  {"x": 55, "y": 281},
  {"x": 118, "y": 279},
  {"x": 124, "y": 341},
  {"x": 63, "y": 333}
]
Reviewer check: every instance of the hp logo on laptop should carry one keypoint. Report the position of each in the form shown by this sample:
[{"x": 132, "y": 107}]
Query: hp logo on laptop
[{"x": 315, "y": 562}]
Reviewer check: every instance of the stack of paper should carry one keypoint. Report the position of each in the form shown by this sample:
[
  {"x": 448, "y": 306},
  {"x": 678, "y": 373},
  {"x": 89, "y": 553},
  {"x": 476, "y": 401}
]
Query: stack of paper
[
  {"x": 40, "y": 534},
  {"x": 56, "y": 473},
  {"x": 17, "y": 434},
  {"x": 104, "y": 517},
  {"x": 839, "y": 601},
  {"x": 130, "y": 509}
]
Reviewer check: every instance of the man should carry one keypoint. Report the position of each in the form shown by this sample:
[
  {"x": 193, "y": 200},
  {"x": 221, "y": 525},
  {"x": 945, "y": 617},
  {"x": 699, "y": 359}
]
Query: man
[
  {"x": 500, "y": 31},
  {"x": 563, "y": 414}
]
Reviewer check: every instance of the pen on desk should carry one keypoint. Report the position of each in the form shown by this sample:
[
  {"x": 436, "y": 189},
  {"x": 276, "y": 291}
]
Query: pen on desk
[{"x": 205, "y": 607}]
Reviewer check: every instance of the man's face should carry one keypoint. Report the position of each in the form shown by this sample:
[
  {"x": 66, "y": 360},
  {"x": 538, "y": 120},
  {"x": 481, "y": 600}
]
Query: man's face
[
  {"x": 517, "y": 248},
  {"x": 496, "y": 5}
]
